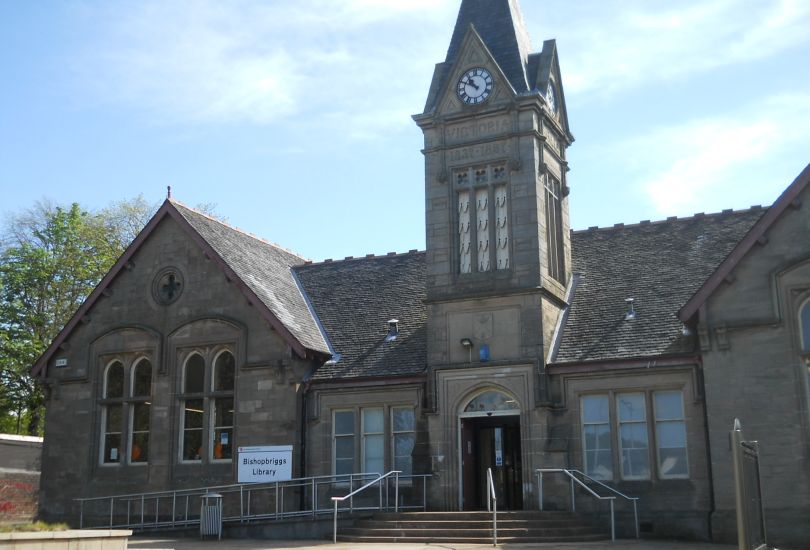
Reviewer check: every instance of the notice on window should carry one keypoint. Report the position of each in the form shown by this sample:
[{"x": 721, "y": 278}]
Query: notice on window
[{"x": 265, "y": 464}]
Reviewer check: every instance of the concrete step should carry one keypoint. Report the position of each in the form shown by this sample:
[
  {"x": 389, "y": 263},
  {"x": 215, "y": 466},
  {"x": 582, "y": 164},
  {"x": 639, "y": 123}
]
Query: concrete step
[
  {"x": 472, "y": 527},
  {"x": 476, "y": 515},
  {"x": 460, "y": 524},
  {"x": 506, "y": 532},
  {"x": 473, "y": 540}
]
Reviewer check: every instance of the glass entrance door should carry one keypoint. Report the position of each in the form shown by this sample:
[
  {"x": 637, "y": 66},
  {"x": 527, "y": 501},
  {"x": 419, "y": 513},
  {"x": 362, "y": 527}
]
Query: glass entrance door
[{"x": 491, "y": 442}]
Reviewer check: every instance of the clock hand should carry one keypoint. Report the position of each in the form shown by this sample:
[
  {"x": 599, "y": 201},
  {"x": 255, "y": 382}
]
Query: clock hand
[{"x": 473, "y": 84}]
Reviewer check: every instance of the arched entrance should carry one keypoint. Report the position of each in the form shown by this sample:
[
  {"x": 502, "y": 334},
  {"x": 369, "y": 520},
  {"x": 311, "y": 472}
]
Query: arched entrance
[{"x": 489, "y": 428}]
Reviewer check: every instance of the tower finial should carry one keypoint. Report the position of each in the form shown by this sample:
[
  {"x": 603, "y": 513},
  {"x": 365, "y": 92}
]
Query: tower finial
[{"x": 168, "y": 191}]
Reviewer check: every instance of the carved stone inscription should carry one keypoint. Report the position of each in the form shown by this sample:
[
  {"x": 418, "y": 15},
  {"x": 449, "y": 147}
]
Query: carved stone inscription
[
  {"x": 476, "y": 153},
  {"x": 482, "y": 129}
]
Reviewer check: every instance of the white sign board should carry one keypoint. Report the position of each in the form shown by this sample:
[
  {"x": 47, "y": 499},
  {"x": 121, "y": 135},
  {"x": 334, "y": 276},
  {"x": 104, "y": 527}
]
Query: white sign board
[{"x": 265, "y": 464}]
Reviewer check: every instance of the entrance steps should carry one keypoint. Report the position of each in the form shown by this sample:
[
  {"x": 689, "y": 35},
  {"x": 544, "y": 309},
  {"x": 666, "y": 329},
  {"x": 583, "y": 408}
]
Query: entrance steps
[{"x": 472, "y": 528}]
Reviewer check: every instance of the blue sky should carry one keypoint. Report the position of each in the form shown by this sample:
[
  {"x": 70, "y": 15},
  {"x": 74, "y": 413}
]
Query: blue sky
[{"x": 294, "y": 117}]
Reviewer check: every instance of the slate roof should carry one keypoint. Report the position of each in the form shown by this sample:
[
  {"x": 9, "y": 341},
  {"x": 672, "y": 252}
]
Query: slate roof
[
  {"x": 661, "y": 265},
  {"x": 266, "y": 269},
  {"x": 354, "y": 300}
]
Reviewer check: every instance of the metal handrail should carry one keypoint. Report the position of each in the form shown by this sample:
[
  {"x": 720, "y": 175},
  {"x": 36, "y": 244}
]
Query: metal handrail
[
  {"x": 493, "y": 499},
  {"x": 337, "y": 500},
  {"x": 180, "y": 504},
  {"x": 608, "y": 487},
  {"x": 570, "y": 473}
]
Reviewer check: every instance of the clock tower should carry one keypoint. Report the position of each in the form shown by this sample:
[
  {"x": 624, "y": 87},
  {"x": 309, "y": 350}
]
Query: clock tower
[
  {"x": 496, "y": 186},
  {"x": 497, "y": 230}
]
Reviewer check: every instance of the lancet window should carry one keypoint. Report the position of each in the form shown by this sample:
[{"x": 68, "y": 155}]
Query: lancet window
[
  {"x": 126, "y": 397},
  {"x": 483, "y": 218},
  {"x": 206, "y": 401},
  {"x": 554, "y": 229}
]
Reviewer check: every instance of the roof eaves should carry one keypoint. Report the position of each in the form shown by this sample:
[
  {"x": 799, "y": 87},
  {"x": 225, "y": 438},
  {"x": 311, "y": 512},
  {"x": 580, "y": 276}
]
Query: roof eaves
[
  {"x": 744, "y": 246},
  {"x": 647, "y": 362}
]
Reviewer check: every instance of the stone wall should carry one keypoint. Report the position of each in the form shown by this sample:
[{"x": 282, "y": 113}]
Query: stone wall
[
  {"x": 323, "y": 400},
  {"x": 754, "y": 371},
  {"x": 18, "y": 496},
  {"x": 674, "y": 507},
  {"x": 19, "y": 477}
]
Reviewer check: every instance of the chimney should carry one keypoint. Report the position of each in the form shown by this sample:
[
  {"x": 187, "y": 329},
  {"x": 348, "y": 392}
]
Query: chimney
[
  {"x": 393, "y": 330},
  {"x": 631, "y": 311}
]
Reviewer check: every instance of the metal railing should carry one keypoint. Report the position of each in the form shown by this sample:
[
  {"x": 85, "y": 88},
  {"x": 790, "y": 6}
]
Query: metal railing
[
  {"x": 245, "y": 503},
  {"x": 576, "y": 481},
  {"x": 350, "y": 497},
  {"x": 492, "y": 506}
]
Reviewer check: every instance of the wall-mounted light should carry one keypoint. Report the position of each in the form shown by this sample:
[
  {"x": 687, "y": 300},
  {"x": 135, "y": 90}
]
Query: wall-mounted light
[{"x": 467, "y": 343}]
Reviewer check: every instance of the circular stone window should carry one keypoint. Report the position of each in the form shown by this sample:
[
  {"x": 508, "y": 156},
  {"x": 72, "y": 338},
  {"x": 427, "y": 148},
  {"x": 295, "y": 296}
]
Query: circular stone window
[{"x": 167, "y": 286}]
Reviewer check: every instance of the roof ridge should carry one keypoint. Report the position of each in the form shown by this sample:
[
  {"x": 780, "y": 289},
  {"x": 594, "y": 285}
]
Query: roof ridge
[
  {"x": 330, "y": 261},
  {"x": 697, "y": 215},
  {"x": 238, "y": 230}
]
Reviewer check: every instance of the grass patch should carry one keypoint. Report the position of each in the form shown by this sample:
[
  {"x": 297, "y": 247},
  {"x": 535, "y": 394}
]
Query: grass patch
[{"x": 32, "y": 527}]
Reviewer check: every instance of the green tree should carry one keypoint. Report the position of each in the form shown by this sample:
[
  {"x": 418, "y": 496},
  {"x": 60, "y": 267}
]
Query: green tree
[{"x": 51, "y": 260}]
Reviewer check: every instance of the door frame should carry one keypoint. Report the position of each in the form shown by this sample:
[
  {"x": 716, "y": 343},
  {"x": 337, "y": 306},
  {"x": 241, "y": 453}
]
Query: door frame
[{"x": 459, "y": 444}]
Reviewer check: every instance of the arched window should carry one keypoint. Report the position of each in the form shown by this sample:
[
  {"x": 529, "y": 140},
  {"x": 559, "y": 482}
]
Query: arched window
[
  {"x": 194, "y": 374},
  {"x": 126, "y": 400},
  {"x": 222, "y": 433},
  {"x": 224, "y": 370},
  {"x": 207, "y": 403},
  {"x": 142, "y": 379},
  {"x": 112, "y": 413},
  {"x": 114, "y": 380},
  {"x": 140, "y": 407},
  {"x": 194, "y": 408},
  {"x": 491, "y": 401}
]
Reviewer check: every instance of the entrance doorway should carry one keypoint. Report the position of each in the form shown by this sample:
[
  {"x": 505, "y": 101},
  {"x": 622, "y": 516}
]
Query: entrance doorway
[
  {"x": 491, "y": 442},
  {"x": 489, "y": 427}
]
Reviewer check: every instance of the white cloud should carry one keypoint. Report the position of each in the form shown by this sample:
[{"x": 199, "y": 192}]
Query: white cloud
[
  {"x": 623, "y": 44},
  {"x": 683, "y": 167},
  {"x": 239, "y": 61}
]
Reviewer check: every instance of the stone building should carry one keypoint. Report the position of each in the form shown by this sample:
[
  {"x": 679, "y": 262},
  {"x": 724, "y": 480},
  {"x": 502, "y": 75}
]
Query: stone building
[{"x": 511, "y": 342}]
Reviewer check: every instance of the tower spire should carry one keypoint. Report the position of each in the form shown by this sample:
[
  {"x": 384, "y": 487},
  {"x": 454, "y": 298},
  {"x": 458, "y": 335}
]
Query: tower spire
[{"x": 500, "y": 25}]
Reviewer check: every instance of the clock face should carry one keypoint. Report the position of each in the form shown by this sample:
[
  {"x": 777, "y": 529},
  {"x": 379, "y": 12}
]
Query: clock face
[
  {"x": 550, "y": 99},
  {"x": 474, "y": 86}
]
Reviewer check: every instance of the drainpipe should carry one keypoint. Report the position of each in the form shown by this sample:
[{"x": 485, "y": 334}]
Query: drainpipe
[
  {"x": 702, "y": 384},
  {"x": 303, "y": 430}
]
